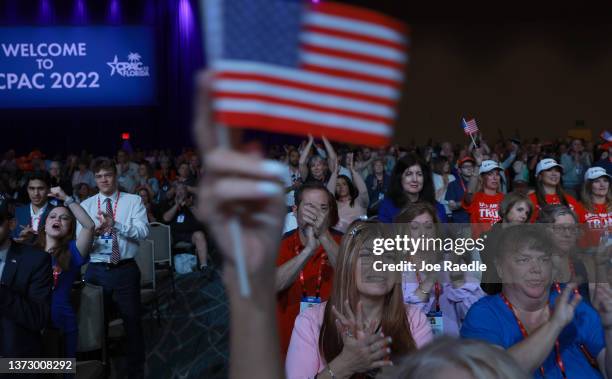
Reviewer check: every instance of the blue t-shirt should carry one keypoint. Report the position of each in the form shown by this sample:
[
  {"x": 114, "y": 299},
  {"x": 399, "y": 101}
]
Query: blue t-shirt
[
  {"x": 387, "y": 211},
  {"x": 492, "y": 321},
  {"x": 62, "y": 314}
]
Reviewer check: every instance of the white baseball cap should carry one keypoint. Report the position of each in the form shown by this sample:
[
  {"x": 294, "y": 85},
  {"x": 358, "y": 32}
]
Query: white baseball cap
[
  {"x": 595, "y": 172},
  {"x": 547, "y": 164},
  {"x": 487, "y": 166}
]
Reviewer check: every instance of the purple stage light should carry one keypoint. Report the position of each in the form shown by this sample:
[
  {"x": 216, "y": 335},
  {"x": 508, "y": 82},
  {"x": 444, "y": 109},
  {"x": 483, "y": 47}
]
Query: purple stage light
[
  {"x": 114, "y": 12},
  {"x": 186, "y": 21},
  {"x": 45, "y": 12},
  {"x": 80, "y": 15}
]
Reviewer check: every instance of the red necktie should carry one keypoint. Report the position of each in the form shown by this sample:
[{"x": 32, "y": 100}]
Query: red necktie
[{"x": 115, "y": 256}]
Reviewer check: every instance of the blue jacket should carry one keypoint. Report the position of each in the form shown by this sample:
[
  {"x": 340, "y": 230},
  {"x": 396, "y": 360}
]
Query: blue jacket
[
  {"x": 25, "y": 300},
  {"x": 24, "y": 218}
]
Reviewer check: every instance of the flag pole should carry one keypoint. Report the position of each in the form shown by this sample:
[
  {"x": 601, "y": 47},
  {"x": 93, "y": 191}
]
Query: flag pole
[
  {"x": 235, "y": 229},
  {"x": 470, "y": 134}
]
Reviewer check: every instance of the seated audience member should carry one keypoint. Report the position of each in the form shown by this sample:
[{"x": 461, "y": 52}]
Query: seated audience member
[
  {"x": 605, "y": 160},
  {"x": 483, "y": 197},
  {"x": 445, "y": 297},
  {"x": 364, "y": 326},
  {"x": 25, "y": 294},
  {"x": 456, "y": 190},
  {"x": 575, "y": 163},
  {"x": 315, "y": 168},
  {"x": 57, "y": 180},
  {"x": 127, "y": 172},
  {"x": 597, "y": 206},
  {"x": 147, "y": 181},
  {"x": 567, "y": 267},
  {"x": 457, "y": 359},
  {"x": 377, "y": 183},
  {"x": 145, "y": 196},
  {"x": 547, "y": 333},
  {"x": 351, "y": 195},
  {"x": 83, "y": 191},
  {"x": 516, "y": 208},
  {"x": 83, "y": 175},
  {"x": 185, "y": 178},
  {"x": 293, "y": 179},
  {"x": 165, "y": 176},
  {"x": 548, "y": 188},
  {"x": 185, "y": 227},
  {"x": 194, "y": 166},
  {"x": 411, "y": 181},
  {"x": 57, "y": 237},
  {"x": 30, "y": 217},
  {"x": 442, "y": 178},
  {"x": 307, "y": 257}
]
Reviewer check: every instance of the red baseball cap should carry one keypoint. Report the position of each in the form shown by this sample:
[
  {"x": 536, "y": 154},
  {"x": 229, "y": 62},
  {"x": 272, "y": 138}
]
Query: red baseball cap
[{"x": 461, "y": 161}]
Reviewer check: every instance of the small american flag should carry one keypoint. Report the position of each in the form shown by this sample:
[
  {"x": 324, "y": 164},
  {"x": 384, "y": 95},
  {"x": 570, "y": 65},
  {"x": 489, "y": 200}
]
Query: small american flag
[
  {"x": 294, "y": 67},
  {"x": 469, "y": 126}
]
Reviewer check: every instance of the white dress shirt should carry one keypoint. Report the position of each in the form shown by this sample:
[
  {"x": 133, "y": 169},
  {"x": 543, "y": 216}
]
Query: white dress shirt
[{"x": 131, "y": 224}]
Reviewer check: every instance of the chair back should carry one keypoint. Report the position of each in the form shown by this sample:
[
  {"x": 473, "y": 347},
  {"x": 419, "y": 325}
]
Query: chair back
[
  {"x": 145, "y": 261},
  {"x": 160, "y": 235},
  {"x": 90, "y": 318}
]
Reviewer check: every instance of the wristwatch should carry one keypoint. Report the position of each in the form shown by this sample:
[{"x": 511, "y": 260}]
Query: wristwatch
[{"x": 68, "y": 201}]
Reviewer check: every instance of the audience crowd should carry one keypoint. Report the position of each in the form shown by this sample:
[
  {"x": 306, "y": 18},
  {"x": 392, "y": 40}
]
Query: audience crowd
[{"x": 309, "y": 216}]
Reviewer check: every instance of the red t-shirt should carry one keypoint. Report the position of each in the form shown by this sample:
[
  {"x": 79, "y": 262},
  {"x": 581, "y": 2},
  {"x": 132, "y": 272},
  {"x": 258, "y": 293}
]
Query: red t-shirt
[
  {"x": 553, "y": 200},
  {"x": 596, "y": 221},
  {"x": 483, "y": 211},
  {"x": 288, "y": 300}
]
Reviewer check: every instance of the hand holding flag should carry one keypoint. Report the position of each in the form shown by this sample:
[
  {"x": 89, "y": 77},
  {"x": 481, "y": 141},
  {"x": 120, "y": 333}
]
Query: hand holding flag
[{"x": 470, "y": 128}]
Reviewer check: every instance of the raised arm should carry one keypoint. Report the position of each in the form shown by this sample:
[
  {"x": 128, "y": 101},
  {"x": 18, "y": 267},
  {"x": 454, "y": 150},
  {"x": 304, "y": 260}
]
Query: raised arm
[
  {"x": 473, "y": 183},
  {"x": 87, "y": 225},
  {"x": 332, "y": 157},
  {"x": 304, "y": 154},
  {"x": 364, "y": 198}
]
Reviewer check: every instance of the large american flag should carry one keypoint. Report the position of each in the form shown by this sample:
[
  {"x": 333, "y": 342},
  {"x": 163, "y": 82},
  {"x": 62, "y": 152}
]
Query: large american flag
[{"x": 295, "y": 67}]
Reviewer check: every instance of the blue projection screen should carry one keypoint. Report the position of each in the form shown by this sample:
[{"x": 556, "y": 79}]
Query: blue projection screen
[{"x": 77, "y": 66}]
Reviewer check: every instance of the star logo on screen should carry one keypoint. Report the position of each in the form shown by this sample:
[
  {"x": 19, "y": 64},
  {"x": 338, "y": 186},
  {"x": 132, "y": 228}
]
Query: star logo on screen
[{"x": 133, "y": 67}]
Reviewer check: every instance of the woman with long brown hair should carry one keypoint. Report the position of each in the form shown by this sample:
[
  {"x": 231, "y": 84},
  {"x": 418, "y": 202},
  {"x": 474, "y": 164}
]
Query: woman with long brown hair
[
  {"x": 67, "y": 257},
  {"x": 365, "y": 325},
  {"x": 548, "y": 188}
]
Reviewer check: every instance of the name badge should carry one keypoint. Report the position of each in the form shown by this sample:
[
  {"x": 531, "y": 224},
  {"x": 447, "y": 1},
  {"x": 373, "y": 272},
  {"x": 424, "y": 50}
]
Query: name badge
[
  {"x": 104, "y": 244},
  {"x": 437, "y": 323},
  {"x": 180, "y": 218},
  {"x": 309, "y": 302}
]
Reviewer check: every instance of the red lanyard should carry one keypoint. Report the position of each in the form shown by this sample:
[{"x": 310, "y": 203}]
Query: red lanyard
[
  {"x": 525, "y": 335},
  {"x": 437, "y": 291},
  {"x": 297, "y": 249},
  {"x": 114, "y": 208},
  {"x": 573, "y": 275}
]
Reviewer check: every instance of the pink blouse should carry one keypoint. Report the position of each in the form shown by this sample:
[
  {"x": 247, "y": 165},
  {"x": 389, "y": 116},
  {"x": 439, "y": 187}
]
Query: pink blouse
[{"x": 304, "y": 360}]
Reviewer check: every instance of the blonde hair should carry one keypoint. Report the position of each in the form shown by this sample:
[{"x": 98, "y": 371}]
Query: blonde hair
[{"x": 481, "y": 360}]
